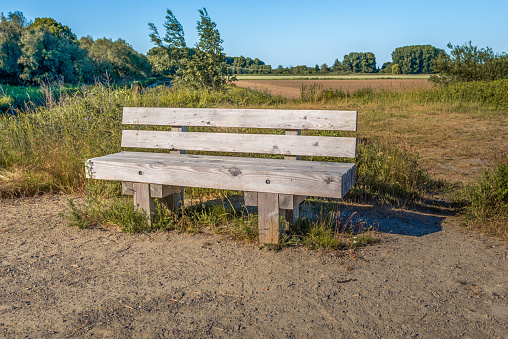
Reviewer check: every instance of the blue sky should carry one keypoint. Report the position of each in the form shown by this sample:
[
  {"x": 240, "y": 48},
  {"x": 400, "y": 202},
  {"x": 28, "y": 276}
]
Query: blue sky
[{"x": 290, "y": 32}]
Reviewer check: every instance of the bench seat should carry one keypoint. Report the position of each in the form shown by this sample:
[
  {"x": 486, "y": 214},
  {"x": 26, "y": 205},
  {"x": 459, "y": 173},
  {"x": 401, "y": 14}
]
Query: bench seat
[{"x": 309, "y": 178}]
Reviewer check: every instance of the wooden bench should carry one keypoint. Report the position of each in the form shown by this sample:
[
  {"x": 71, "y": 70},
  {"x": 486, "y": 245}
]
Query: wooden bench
[{"x": 276, "y": 186}]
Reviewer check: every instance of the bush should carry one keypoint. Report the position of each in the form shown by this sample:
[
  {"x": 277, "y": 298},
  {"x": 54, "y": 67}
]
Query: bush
[
  {"x": 486, "y": 202},
  {"x": 388, "y": 174}
]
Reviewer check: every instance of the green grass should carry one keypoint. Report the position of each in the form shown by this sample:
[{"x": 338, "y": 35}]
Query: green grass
[
  {"x": 485, "y": 202},
  {"x": 43, "y": 149}
]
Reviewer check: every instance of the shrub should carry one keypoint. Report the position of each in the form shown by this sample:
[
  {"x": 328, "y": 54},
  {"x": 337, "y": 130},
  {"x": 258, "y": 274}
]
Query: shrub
[{"x": 486, "y": 202}]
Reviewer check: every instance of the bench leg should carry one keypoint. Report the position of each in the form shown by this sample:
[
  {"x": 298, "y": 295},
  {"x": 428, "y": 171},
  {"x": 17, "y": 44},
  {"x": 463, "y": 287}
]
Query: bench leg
[
  {"x": 268, "y": 218},
  {"x": 142, "y": 199},
  {"x": 174, "y": 201}
]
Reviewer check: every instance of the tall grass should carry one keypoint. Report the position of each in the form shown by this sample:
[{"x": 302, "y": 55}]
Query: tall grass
[
  {"x": 43, "y": 148},
  {"x": 486, "y": 93},
  {"x": 486, "y": 201}
]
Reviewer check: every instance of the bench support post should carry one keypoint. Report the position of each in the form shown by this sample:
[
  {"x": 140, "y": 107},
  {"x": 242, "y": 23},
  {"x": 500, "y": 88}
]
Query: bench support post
[
  {"x": 268, "y": 218},
  {"x": 174, "y": 201},
  {"x": 142, "y": 199}
]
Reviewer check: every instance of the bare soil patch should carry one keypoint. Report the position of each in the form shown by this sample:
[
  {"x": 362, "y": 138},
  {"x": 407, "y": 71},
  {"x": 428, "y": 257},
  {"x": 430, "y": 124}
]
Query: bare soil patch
[
  {"x": 291, "y": 88},
  {"x": 425, "y": 279}
]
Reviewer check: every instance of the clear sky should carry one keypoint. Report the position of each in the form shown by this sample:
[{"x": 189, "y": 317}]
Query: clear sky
[{"x": 289, "y": 32}]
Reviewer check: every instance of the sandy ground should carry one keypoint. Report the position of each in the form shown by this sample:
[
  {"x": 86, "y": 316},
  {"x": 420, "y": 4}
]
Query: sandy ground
[
  {"x": 424, "y": 279},
  {"x": 291, "y": 88}
]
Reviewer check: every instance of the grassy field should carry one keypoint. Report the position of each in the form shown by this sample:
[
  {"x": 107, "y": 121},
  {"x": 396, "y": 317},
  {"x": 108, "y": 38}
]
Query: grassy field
[
  {"x": 330, "y": 77},
  {"x": 413, "y": 145}
]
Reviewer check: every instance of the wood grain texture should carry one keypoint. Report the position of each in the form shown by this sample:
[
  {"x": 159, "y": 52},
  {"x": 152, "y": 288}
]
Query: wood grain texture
[
  {"x": 264, "y": 175},
  {"x": 288, "y": 145},
  {"x": 250, "y": 198},
  {"x": 254, "y": 162},
  {"x": 268, "y": 218},
  {"x": 142, "y": 199},
  {"x": 296, "y": 132},
  {"x": 243, "y": 118},
  {"x": 156, "y": 190}
]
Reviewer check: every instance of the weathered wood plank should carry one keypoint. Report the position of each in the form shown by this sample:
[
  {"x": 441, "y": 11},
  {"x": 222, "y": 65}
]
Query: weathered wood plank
[
  {"x": 245, "y": 118},
  {"x": 297, "y": 132},
  {"x": 286, "y": 201},
  {"x": 174, "y": 129},
  {"x": 288, "y": 145},
  {"x": 156, "y": 190},
  {"x": 176, "y": 200},
  {"x": 268, "y": 218},
  {"x": 169, "y": 169},
  {"x": 142, "y": 199},
  {"x": 289, "y": 201},
  {"x": 280, "y": 164},
  {"x": 250, "y": 198}
]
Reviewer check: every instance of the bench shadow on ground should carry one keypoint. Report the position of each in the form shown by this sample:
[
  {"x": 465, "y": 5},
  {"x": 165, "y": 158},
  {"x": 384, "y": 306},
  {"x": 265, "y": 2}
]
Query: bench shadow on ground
[
  {"x": 415, "y": 222},
  {"x": 387, "y": 219}
]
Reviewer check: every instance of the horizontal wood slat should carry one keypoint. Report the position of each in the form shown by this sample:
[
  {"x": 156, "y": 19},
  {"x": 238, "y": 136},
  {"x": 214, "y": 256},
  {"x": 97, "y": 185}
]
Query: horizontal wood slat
[
  {"x": 278, "y": 164},
  {"x": 205, "y": 171},
  {"x": 243, "y": 143},
  {"x": 243, "y": 118}
]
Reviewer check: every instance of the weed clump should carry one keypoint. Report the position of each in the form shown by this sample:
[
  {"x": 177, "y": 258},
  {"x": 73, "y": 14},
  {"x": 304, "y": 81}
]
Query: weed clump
[{"x": 485, "y": 203}]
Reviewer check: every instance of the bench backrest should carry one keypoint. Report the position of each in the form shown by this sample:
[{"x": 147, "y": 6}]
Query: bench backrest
[{"x": 292, "y": 144}]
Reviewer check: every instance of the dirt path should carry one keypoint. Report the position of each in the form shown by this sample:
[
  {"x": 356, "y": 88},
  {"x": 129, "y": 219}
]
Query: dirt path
[{"x": 424, "y": 279}]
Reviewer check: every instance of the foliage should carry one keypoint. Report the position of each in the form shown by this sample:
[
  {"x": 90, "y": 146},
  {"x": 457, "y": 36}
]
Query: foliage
[
  {"x": 54, "y": 27},
  {"x": 358, "y": 63},
  {"x": 207, "y": 69},
  {"x": 116, "y": 58},
  {"x": 470, "y": 63},
  {"x": 416, "y": 59},
  {"x": 388, "y": 173},
  {"x": 46, "y": 50},
  {"x": 204, "y": 66},
  {"x": 485, "y": 93},
  {"x": 11, "y": 30},
  {"x": 47, "y": 57},
  {"x": 486, "y": 201},
  {"x": 170, "y": 57}
]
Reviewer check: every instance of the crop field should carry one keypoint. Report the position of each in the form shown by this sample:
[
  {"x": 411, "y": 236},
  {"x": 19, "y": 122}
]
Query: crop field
[
  {"x": 291, "y": 87},
  {"x": 330, "y": 77}
]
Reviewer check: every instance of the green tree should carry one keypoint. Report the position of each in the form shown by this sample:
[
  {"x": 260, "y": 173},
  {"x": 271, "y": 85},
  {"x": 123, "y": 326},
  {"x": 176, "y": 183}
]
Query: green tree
[
  {"x": 47, "y": 56},
  {"x": 324, "y": 68},
  {"x": 11, "y": 30},
  {"x": 386, "y": 68},
  {"x": 368, "y": 62},
  {"x": 470, "y": 63},
  {"x": 395, "y": 69},
  {"x": 171, "y": 55},
  {"x": 337, "y": 66},
  {"x": 417, "y": 59},
  {"x": 54, "y": 27},
  {"x": 359, "y": 62},
  {"x": 116, "y": 58},
  {"x": 207, "y": 68},
  {"x": 347, "y": 65}
]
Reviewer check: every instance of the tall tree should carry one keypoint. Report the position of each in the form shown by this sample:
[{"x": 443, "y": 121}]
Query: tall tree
[
  {"x": 207, "y": 69},
  {"x": 11, "y": 30},
  {"x": 48, "y": 55},
  {"x": 117, "y": 58},
  {"x": 416, "y": 59},
  {"x": 171, "y": 55}
]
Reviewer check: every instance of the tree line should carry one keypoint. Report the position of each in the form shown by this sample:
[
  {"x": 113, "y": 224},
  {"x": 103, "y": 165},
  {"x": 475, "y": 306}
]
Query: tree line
[{"x": 46, "y": 50}]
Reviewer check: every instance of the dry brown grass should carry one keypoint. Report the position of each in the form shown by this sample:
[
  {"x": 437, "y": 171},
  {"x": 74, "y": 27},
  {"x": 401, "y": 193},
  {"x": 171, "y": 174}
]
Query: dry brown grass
[{"x": 291, "y": 88}]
